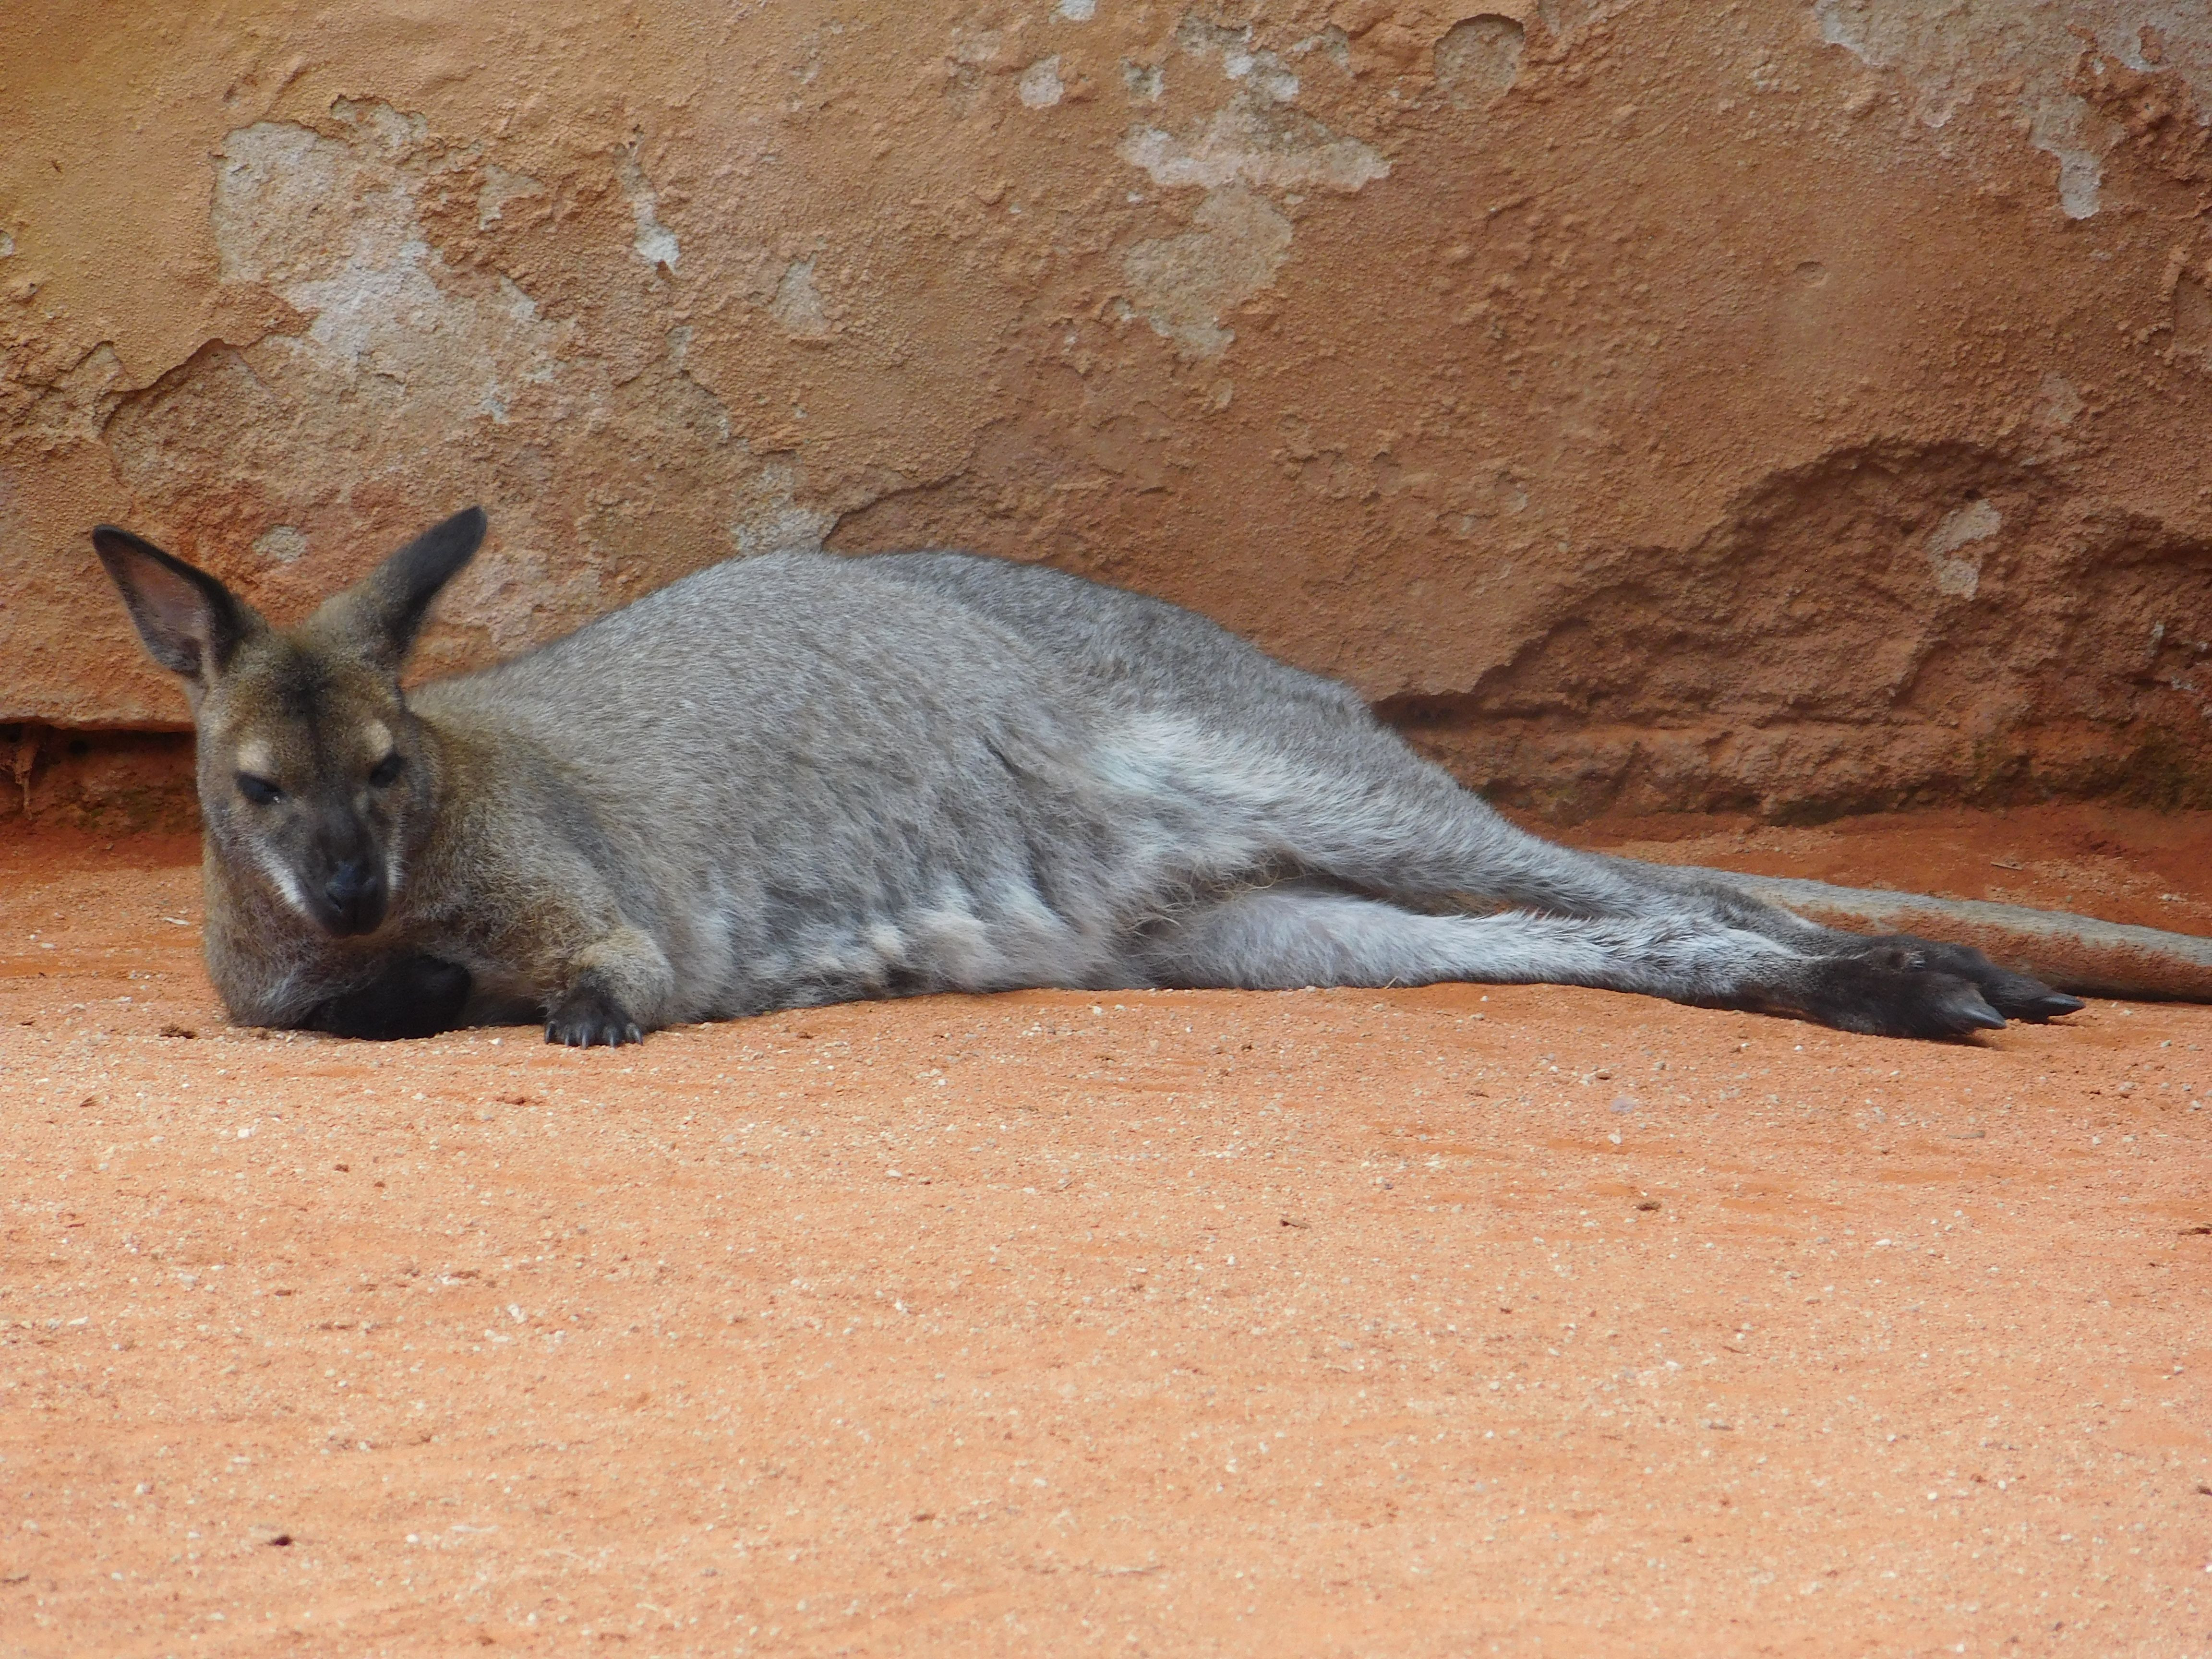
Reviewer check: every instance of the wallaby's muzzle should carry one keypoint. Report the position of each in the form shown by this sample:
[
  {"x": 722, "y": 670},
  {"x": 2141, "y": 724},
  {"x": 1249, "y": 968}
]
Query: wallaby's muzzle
[{"x": 352, "y": 900}]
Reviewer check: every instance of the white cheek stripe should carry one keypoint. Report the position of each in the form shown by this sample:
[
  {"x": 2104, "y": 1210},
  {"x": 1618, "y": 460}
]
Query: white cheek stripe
[{"x": 282, "y": 879}]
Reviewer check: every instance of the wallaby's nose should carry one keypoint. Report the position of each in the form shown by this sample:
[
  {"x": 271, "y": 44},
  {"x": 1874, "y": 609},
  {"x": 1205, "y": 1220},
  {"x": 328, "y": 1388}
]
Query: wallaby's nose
[{"x": 356, "y": 892}]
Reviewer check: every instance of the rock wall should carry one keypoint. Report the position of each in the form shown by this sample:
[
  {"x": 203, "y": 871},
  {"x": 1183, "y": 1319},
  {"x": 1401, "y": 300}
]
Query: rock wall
[{"x": 1798, "y": 407}]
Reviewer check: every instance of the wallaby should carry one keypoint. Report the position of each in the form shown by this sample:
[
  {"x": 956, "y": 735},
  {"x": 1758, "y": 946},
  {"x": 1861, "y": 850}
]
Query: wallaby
[{"x": 802, "y": 778}]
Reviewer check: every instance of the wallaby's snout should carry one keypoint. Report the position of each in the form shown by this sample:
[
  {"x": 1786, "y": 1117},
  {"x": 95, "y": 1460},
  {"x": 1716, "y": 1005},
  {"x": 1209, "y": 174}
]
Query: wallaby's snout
[{"x": 352, "y": 900}]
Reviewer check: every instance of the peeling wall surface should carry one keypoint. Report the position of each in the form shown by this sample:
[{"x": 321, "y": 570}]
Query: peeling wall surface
[{"x": 1796, "y": 406}]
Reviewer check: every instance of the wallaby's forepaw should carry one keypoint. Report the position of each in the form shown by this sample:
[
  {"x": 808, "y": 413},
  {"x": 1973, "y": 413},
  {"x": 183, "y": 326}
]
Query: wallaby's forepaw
[
  {"x": 1893, "y": 993},
  {"x": 2016, "y": 996},
  {"x": 415, "y": 996},
  {"x": 590, "y": 1015}
]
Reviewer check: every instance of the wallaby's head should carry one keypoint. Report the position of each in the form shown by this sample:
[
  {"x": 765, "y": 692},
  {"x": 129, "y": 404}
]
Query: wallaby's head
[{"x": 313, "y": 774}]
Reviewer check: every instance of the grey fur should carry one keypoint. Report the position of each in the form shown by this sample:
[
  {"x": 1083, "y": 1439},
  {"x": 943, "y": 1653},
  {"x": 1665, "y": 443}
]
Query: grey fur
[{"x": 802, "y": 779}]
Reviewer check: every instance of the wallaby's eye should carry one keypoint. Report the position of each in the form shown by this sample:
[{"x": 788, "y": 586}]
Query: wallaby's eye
[
  {"x": 259, "y": 791},
  {"x": 386, "y": 771}
]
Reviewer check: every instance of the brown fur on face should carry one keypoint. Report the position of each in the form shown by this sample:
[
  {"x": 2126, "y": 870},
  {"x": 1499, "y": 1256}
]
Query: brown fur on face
[
  {"x": 333, "y": 738},
  {"x": 315, "y": 778}
]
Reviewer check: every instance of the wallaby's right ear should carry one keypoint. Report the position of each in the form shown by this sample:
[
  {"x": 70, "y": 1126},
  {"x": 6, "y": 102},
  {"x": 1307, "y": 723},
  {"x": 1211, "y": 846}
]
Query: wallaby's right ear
[{"x": 190, "y": 621}]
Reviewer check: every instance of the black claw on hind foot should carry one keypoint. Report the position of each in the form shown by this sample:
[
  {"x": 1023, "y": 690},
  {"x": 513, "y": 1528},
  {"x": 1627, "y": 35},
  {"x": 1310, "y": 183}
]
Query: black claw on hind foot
[{"x": 588, "y": 1016}]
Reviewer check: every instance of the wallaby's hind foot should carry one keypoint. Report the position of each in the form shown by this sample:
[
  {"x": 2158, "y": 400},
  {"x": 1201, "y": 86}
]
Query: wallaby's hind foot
[
  {"x": 1886, "y": 993},
  {"x": 412, "y": 996},
  {"x": 2016, "y": 996}
]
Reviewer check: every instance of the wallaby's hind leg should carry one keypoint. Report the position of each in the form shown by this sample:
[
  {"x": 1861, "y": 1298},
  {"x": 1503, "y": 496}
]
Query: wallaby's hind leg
[
  {"x": 1279, "y": 938},
  {"x": 1375, "y": 817},
  {"x": 2016, "y": 995}
]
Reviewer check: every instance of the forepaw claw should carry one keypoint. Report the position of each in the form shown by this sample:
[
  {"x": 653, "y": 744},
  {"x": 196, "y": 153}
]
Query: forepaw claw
[{"x": 588, "y": 1016}]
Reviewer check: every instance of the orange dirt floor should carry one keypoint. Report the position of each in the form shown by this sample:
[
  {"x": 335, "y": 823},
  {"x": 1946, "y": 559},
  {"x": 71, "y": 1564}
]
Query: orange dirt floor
[{"x": 1449, "y": 1320}]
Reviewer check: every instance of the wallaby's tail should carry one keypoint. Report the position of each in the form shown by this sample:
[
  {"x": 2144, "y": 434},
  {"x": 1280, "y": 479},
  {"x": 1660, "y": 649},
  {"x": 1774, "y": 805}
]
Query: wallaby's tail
[{"x": 2067, "y": 952}]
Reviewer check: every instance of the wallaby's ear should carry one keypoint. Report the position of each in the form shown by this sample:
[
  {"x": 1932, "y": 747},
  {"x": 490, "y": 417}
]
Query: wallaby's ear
[
  {"x": 383, "y": 612},
  {"x": 190, "y": 621}
]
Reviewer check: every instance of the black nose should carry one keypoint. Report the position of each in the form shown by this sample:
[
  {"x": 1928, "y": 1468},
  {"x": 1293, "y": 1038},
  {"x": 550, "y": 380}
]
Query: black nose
[{"x": 356, "y": 892}]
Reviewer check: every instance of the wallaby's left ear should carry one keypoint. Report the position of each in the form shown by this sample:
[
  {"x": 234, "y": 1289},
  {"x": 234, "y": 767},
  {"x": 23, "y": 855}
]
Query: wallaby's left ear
[{"x": 382, "y": 612}]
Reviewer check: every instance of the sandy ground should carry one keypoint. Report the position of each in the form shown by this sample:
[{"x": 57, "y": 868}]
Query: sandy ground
[{"x": 1439, "y": 1322}]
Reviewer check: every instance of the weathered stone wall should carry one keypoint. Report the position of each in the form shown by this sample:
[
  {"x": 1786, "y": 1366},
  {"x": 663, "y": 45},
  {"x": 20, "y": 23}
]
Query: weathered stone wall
[{"x": 1797, "y": 406}]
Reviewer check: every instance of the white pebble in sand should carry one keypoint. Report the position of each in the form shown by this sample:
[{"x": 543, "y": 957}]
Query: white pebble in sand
[{"x": 1626, "y": 1103}]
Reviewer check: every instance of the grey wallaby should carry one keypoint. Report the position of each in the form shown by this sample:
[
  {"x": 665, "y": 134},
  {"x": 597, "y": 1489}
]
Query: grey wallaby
[{"x": 802, "y": 778}]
